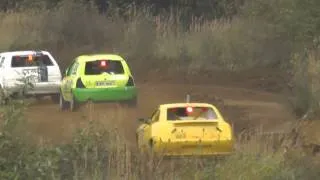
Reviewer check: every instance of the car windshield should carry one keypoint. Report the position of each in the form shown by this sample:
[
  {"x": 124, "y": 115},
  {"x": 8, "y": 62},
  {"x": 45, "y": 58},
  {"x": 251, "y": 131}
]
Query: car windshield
[
  {"x": 100, "y": 66},
  {"x": 191, "y": 113},
  {"x": 30, "y": 61}
]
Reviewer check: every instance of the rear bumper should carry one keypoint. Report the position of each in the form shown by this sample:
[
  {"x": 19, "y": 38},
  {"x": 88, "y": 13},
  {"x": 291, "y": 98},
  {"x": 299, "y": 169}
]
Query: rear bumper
[
  {"x": 194, "y": 148},
  {"x": 45, "y": 88},
  {"x": 105, "y": 94}
]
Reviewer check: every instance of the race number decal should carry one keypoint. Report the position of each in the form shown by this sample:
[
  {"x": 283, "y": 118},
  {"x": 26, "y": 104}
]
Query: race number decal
[{"x": 31, "y": 75}]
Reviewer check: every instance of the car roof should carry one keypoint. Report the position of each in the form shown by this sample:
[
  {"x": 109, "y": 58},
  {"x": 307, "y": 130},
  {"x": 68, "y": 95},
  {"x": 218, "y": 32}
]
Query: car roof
[
  {"x": 93, "y": 57},
  {"x": 25, "y": 52},
  {"x": 173, "y": 105}
]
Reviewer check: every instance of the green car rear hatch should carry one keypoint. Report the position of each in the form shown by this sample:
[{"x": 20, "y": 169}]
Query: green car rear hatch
[
  {"x": 105, "y": 79},
  {"x": 104, "y": 74}
]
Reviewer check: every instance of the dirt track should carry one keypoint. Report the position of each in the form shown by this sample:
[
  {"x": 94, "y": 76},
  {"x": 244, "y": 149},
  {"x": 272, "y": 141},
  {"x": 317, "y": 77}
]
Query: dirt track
[{"x": 243, "y": 107}]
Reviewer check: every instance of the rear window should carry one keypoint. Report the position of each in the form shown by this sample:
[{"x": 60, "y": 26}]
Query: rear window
[
  {"x": 100, "y": 66},
  {"x": 26, "y": 61},
  {"x": 190, "y": 113}
]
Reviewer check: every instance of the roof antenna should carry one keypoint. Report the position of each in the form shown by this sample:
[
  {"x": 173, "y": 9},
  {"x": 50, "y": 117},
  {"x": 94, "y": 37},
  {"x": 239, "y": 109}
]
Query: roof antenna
[{"x": 188, "y": 98}]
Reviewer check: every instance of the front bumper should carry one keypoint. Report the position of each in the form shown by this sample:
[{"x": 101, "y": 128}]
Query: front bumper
[
  {"x": 194, "y": 148},
  {"x": 104, "y": 94}
]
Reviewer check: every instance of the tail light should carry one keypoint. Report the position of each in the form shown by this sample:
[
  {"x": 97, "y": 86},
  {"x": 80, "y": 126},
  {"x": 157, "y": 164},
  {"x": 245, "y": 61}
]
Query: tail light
[
  {"x": 189, "y": 109},
  {"x": 130, "y": 81},
  {"x": 80, "y": 84}
]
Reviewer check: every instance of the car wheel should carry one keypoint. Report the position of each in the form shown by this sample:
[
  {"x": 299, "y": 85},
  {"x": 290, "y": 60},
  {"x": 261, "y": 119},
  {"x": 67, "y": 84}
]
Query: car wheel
[
  {"x": 73, "y": 104},
  {"x": 138, "y": 144},
  {"x": 133, "y": 103},
  {"x": 3, "y": 98},
  {"x": 55, "y": 98},
  {"x": 4, "y": 101},
  {"x": 62, "y": 103},
  {"x": 150, "y": 148},
  {"x": 38, "y": 98}
]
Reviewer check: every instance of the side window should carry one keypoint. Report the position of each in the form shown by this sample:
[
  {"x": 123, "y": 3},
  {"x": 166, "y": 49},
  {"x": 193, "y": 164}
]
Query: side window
[
  {"x": 70, "y": 70},
  {"x": 74, "y": 69},
  {"x": 155, "y": 116}
]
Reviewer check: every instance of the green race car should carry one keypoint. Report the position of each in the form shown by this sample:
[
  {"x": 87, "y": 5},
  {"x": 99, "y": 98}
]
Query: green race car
[{"x": 98, "y": 78}]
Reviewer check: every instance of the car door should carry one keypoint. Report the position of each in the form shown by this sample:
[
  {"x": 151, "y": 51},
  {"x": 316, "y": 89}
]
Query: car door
[
  {"x": 1, "y": 64},
  {"x": 68, "y": 80},
  {"x": 48, "y": 70},
  {"x": 2, "y": 58},
  {"x": 147, "y": 130},
  {"x": 54, "y": 73}
]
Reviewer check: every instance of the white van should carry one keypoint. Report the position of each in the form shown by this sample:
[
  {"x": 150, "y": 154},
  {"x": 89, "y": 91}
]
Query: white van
[{"x": 38, "y": 69}]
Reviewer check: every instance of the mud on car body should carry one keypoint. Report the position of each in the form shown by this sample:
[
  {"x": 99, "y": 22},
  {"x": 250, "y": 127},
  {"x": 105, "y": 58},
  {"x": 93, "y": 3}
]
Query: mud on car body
[
  {"x": 34, "y": 73},
  {"x": 185, "y": 129},
  {"x": 97, "y": 78}
]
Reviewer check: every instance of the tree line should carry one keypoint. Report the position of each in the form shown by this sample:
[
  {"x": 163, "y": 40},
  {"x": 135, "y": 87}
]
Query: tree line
[{"x": 207, "y": 8}]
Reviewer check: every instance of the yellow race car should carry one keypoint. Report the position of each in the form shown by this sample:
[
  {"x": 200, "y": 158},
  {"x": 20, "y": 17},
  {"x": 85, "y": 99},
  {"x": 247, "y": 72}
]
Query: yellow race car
[{"x": 184, "y": 129}]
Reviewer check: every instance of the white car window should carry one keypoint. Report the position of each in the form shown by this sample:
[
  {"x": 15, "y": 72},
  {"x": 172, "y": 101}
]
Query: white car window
[{"x": 26, "y": 61}]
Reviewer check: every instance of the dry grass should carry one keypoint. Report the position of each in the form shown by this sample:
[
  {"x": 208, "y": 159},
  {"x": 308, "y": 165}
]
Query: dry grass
[
  {"x": 100, "y": 151},
  {"x": 145, "y": 40},
  {"x": 158, "y": 42},
  {"x": 306, "y": 85}
]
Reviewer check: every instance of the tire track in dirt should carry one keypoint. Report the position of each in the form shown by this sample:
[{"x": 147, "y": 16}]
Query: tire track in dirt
[{"x": 242, "y": 107}]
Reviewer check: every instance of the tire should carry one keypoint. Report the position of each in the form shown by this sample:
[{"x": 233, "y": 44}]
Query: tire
[
  {"x": 150, "y": 145},
  {"x": 133, "y": 103},
  {"x": 137, "y": 140},
  {"x": 150, "y": 150},
  {"x": 137, "y": 143},
  {"x": 55, "y": 98},
  {"x": 73, "y": 105},
  {"x": 4, "y": 100},
  {"x": 38, "y": 98},
  {"x": 62, "y": 103}
]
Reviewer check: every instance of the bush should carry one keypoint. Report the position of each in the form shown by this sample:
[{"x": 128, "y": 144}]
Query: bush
[{"x": 306, "y": 85}]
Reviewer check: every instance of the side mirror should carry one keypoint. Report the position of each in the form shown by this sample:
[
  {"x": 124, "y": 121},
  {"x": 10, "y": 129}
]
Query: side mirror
[
  {"x": 142, "y": 120},
  {"x": 66, "y": 72}
]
